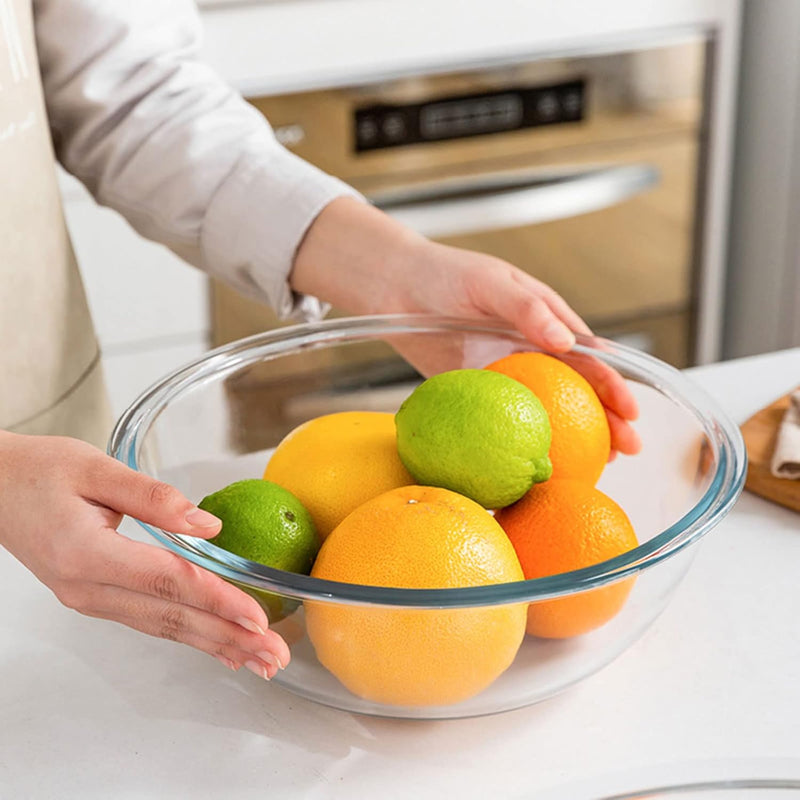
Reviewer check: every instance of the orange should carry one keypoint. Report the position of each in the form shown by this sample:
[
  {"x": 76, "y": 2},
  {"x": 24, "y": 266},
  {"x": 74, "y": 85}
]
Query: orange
[
  {"x": 417, "y": 537},
  {"x": 581, "y": 439},
  {"x": 560, "y": 526},
  {"x": 332, "y": 464}
]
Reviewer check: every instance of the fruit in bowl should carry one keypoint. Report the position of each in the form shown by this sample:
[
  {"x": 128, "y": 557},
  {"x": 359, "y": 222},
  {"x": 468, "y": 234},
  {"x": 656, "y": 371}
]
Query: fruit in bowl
[
  {"x": 482, "y": 437},
  {"x": 417, "y": 537},
  {"x": 581, "y": 440},
  {"x": 562, "y": 526},
  {"x": 359, "y": 616},
  {"x": 334, "y": 463},
  {"x": 264, "y": 522},
  {"x": 479, "y": 433}
]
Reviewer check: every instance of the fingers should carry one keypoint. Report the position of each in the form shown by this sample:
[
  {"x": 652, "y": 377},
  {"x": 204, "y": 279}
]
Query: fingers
[
  {"x": 610, "y": 386},
  {"x": 263, "y": 654},
  {"x": 534, "y": 308},
  {"x": 529, "y": 313},
  {"x": 545, "y": 318},
  {"x": 616, "y": 397},
  {"x": 112, "y": 484},
  {"x": 624, "y": 438},
  {"x": 557, "y": 304},
  {"x": 75, "y": 550},
  {"x": 563, "y": 311},
  {"x": 149, "y": 570},
  {"x": 156, "y": 592}
]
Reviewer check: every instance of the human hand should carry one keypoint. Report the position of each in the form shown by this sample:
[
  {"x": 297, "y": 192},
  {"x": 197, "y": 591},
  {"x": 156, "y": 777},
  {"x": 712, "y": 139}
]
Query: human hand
[
  {"x": 360, "y": 260},
  {"x": 461, "y": 283},
  {"x": 61, "y": 501}
]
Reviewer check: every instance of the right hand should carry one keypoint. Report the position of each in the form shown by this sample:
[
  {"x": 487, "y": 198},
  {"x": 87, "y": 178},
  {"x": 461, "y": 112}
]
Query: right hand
[
  {"x": 61, "y": 501},
  {"x": 362, "y": 261}
]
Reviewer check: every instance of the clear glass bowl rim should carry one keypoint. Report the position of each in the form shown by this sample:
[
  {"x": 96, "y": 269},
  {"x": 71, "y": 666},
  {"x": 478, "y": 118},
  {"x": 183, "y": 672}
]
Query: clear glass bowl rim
[
  {"x": 722, "y": 434},
  {"x": 733, "y": 784}
]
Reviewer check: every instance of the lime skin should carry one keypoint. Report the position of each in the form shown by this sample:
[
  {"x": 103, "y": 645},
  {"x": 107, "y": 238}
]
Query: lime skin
[
  {"x": 475, "y": 432},
  {"x": 265, "y": 523}
]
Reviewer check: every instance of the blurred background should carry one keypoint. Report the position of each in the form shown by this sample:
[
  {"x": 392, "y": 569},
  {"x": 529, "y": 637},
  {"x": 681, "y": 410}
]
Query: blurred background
[{"x": 641, "y": 157}]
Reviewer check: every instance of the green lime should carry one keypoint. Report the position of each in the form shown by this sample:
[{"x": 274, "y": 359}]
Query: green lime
[
  {"x": 264, "y": 522},
  {"x": 475, "y": 432}
]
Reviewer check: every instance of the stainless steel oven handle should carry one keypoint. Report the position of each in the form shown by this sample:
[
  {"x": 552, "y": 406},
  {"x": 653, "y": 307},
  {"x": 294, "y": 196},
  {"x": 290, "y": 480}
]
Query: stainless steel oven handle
[{"x": 488, "y": 203}]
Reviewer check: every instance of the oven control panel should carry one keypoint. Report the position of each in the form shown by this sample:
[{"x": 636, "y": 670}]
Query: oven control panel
[{"x": 455, "y": 117}]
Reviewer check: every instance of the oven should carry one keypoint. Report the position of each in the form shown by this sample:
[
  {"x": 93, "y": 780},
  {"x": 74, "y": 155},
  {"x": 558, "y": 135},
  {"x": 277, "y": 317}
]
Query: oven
[{"x": 584, "y": 170}]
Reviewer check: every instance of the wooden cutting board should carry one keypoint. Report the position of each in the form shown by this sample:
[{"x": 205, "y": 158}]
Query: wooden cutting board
[{"x": 760, "y": 433}]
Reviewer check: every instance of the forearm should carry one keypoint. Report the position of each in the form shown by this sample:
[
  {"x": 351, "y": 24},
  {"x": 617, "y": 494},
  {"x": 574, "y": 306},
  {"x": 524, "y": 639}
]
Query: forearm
[{"x": 359, "y": 259}]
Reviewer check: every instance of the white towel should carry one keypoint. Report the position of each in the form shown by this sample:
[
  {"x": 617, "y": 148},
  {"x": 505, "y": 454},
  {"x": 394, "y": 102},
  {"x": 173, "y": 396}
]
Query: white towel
[{"x": 786, "y": 457}]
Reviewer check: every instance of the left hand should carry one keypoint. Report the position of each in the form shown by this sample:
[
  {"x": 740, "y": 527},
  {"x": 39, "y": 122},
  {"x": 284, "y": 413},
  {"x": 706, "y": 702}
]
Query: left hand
[
  {"x": 362, "y": 261},
  {"x": 61, "y": 502}
]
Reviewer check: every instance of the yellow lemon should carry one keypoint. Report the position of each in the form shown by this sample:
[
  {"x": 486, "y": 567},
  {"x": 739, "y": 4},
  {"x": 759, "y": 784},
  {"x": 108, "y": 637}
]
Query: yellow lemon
[{"x": 334, "y": 463}]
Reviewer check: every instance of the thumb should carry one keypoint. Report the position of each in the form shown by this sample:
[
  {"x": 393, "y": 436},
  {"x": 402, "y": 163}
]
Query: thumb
[{"x": 129, "y": 492}]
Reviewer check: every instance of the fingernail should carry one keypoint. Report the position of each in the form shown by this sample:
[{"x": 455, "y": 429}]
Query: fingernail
[
  {"x": 227, "y": 662},
  {"x": 269, "y": 658},
  {"x": 201, "y": 519},
  {"x": 558, "y": 335},
  {"x": 251, "y": 626},
  {"x": 258, "y": 669}
]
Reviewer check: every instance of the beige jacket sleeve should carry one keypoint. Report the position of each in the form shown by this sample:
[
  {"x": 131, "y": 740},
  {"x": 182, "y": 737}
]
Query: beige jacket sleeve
[{"x": 158, "y": 136}]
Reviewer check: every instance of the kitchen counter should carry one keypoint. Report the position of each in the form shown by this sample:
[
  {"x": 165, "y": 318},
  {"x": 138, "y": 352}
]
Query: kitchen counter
[{"x": 90, "y": 709}]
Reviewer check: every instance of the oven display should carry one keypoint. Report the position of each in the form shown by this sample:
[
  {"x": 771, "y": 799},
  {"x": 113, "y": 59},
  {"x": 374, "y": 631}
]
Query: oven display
[
  {"x": 382, "y": 126},
  {"x": 502, "y": 112}
]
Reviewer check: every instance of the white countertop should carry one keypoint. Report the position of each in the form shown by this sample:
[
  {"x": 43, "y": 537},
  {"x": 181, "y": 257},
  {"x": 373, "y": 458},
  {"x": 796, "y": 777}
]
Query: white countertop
[{"x": 90, "y": 709}]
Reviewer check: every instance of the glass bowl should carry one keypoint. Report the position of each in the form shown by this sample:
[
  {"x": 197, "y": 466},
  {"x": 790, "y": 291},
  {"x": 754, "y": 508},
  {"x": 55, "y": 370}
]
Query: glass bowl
[
  {"x": 215, "y": 421},
  {"x": 737, "y": 789}
]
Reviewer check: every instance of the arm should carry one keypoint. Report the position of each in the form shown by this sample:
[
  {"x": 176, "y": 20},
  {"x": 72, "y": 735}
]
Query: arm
[
  {"x": 158, "y": 136},
  {"x": 390, "y": 268}
]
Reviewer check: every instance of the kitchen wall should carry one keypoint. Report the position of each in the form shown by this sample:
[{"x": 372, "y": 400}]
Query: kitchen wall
[
  {"x": 151, "y": 309},
  {"x": 763, "y": 302}
]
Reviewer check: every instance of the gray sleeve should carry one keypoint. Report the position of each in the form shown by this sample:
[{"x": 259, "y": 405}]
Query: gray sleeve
[{"x": 155, "y": 134}]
